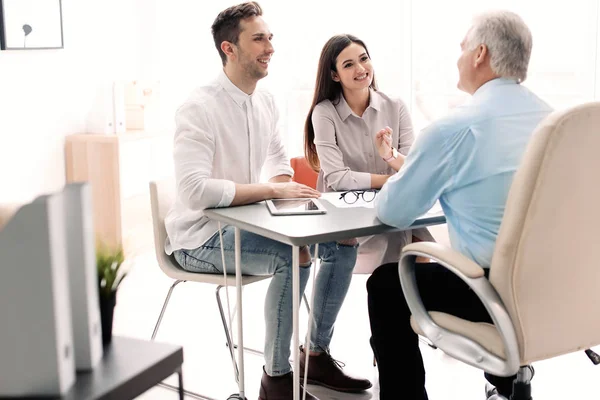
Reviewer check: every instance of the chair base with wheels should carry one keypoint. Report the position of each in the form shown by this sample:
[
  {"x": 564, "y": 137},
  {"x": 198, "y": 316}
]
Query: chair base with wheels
[{"x": 521, "y": 386}]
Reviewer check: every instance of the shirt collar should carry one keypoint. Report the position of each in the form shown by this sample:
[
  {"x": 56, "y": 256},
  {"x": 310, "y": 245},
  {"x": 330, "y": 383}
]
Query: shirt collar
[
  {"x": 344, "y": 110},
  {"x": 492, "y": 84},
  {"x": 374, "y": 99},
  {"x": 235, "y": 92}
]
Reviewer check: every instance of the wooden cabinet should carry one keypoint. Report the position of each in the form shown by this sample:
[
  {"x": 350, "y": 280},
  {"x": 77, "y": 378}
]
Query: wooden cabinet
[{"x": 119, "y": 168}]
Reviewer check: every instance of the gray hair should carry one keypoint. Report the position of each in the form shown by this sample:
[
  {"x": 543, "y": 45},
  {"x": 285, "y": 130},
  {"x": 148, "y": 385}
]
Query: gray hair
[{"x": 508, "y": 40}]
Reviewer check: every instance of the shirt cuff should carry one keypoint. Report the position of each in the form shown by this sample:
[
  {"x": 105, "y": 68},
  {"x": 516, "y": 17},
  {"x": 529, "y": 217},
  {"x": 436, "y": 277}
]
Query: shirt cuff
[
  {"x": 280, "y": 170},
  {"x": 363, "y": 180},
  {"x": 228, "y": 194},
  {"x": 350, "y": 180}
]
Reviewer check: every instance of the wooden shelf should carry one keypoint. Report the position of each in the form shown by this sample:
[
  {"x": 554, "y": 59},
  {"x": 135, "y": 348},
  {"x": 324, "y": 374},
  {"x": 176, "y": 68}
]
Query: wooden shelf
[{"x": 119, "y": 168}]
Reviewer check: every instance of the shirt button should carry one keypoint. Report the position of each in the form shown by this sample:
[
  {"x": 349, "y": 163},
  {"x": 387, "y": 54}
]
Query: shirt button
[
  {"x": 366, "y": 134},
  {"x": 370, "y": 155}
]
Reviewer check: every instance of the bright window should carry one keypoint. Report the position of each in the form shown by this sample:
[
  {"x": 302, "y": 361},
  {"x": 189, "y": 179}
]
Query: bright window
[
  {"x": 414, "y": 46},
  {"x": 563, "y": 64}
]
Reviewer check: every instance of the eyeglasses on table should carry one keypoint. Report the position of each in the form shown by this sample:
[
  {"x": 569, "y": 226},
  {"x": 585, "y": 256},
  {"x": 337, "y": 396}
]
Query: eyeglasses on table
[{"x": 352, "y": 196}]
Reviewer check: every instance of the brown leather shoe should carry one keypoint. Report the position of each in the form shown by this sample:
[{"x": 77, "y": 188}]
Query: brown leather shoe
[
  {"x": 325, "y": 371},
  {"x": 279, "y": 388}
]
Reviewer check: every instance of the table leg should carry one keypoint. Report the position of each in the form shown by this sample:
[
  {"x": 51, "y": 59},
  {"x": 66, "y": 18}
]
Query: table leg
[
  {"x": 181, "y": 391},
  {"x": 238, "y": 285},
  {"x": 310, "y": 318},
  {"x": 296, "y": 304}
]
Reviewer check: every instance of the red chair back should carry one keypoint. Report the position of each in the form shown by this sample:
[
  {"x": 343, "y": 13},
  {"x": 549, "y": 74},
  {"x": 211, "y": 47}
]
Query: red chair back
[{"x": 303, "y": 173}]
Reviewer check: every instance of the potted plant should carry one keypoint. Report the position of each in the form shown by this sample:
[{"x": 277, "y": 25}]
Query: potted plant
[{"x": 110, "y": 275}]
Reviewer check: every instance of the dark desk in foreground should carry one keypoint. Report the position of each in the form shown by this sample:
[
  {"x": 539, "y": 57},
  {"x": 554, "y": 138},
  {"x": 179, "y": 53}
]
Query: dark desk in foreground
[{"x": 128, "y": 368}]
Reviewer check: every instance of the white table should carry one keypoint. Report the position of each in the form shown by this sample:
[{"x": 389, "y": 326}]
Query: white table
[{"x": 299, "y": 230}]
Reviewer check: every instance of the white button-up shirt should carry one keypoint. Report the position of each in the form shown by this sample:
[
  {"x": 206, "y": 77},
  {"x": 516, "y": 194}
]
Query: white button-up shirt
[{"x": 222, "y": 136}]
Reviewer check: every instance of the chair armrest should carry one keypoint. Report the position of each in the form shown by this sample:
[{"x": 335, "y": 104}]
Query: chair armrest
[{"x": 459, "y": 346}]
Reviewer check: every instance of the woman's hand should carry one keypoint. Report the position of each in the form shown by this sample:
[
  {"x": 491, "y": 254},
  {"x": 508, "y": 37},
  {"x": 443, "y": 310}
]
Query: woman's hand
[{"x": 383, "y": 141}]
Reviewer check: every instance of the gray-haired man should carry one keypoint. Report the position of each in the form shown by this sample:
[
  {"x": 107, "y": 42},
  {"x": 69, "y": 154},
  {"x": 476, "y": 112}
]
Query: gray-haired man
[{"x": 466, "y": 161}]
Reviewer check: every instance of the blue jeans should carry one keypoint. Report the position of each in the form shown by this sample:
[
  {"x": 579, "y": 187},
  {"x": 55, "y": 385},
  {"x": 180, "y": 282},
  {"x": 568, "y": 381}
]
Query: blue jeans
[{"x": 263, "y": 256}]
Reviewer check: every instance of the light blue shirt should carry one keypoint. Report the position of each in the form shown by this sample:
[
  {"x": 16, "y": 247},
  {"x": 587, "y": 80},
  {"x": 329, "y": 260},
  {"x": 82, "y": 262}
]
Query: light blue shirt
[{"x": 466, "y": 160}]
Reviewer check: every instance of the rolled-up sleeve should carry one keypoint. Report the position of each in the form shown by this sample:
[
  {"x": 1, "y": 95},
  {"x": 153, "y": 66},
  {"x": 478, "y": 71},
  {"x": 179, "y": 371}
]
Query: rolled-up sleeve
[
  {"x": 427, "y": 172},
  {"x": 277, "y": 161},
  {"x": 406, "y": 135},
  {"x": 336, "y": 174},
  {"x": 194, "y": 149}
]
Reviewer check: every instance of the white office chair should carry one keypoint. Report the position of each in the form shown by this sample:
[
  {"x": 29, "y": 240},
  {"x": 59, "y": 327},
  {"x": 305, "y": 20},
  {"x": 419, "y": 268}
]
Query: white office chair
[
  {"x": 161, "y": 199},
  {"x": 7, "y": 210},
  {"x": 542, "y": 293}
]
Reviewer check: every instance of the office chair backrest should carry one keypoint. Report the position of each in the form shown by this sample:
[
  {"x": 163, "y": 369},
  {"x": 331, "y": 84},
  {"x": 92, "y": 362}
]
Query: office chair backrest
[
  {"x": 161, "y": 199},
  {"x": 7, "y": 211},
  {"x": 303, "y": 173},
  {"x": 544, "y": 266}
]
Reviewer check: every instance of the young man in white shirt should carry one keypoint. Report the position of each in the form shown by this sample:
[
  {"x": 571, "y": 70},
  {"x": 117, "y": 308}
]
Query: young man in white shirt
[{"x": 226, "y": 134}]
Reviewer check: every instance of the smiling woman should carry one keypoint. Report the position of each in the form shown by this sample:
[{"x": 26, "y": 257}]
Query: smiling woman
[{"x": 31, "y": 24}]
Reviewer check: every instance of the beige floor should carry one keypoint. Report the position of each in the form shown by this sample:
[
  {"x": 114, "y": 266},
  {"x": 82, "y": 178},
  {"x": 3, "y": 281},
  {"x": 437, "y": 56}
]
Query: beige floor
[{"x": 192, "y": 320}]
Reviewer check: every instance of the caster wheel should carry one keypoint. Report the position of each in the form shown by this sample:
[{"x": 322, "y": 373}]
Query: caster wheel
[{"x": 236, "y": 397}]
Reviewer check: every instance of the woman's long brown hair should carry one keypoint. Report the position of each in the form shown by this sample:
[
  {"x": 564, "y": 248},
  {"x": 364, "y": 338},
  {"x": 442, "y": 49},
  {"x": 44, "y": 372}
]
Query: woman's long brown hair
[{"x": 327, "y": 89}]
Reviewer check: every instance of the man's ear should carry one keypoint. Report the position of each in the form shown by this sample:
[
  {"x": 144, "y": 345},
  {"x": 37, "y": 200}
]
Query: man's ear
[
  {"x": 228, "y": 48},
  {"x": 335, "y": 76},
  {"x": 480, "y": 55}
]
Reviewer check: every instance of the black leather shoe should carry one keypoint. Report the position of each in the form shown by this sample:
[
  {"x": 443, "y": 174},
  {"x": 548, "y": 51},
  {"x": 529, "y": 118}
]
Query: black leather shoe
[
  {"x": 325, "y": 371},
  {"x": 280, "y": 388}
]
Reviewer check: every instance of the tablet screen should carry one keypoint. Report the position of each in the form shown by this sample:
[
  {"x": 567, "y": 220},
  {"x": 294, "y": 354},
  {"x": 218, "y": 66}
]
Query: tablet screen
[{"x": 295, "y": 205}]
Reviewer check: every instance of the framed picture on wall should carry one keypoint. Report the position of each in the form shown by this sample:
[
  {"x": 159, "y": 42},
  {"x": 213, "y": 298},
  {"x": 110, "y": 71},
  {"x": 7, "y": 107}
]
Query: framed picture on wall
[{"x": 31, "y": 24}]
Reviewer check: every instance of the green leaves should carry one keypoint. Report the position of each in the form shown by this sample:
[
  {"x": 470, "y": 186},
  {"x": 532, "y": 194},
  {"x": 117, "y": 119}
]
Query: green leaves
[{"x": 110, "y": 273}]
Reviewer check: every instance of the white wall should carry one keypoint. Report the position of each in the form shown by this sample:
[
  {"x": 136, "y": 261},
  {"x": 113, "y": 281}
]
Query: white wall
[
  {"x": 47, "y": 94},
  {"x": 188, "y": 56}
]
